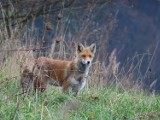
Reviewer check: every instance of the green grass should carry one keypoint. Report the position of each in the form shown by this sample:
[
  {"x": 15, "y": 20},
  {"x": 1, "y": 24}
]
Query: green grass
[{"x": 92, "y": 104}]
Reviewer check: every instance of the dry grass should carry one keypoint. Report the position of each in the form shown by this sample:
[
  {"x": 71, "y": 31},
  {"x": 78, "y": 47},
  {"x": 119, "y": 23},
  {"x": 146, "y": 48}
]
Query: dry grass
[{"x": 101, "y": 75}]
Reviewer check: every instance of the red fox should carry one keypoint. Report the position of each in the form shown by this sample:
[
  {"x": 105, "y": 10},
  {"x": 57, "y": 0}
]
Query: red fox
[{"x": 67, "y": 74}]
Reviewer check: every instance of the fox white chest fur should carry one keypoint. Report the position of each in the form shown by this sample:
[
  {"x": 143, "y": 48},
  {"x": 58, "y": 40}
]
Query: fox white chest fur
[{"x": 78, "y": 83}]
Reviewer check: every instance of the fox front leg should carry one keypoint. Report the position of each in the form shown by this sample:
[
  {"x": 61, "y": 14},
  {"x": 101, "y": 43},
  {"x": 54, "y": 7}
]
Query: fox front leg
[
  {"x": 75, "y": 90},
  {"x": 65, "y": 86}
]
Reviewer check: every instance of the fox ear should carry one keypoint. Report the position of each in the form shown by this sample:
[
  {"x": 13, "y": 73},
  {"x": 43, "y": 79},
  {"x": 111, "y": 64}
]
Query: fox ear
[
  {"x": 93, "y": 48},
  {"x": 80, "y": 47}
]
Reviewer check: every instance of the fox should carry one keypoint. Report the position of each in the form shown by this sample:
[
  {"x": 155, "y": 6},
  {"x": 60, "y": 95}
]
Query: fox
[{"x": 64, "y": 73}]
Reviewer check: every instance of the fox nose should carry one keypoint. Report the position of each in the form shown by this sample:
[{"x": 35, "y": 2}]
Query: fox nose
[{"x": 88, "y": 62}]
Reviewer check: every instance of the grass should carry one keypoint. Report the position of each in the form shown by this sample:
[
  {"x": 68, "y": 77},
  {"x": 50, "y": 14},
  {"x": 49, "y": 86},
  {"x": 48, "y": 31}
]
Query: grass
[
  {"x": 100, "y": 102},
  {"x": 92, "y": 104}
]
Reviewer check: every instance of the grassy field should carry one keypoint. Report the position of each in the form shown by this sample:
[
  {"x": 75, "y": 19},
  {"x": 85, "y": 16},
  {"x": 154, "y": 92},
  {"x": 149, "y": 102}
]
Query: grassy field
[
  {"x": 97, "y": 102},
  {"x": 102, "y": 100},
  {"x": 91, "y": 104}
]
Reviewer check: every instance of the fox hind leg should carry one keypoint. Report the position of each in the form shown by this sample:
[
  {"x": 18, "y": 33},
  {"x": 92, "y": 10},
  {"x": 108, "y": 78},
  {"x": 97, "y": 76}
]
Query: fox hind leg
[
  {"x": 26, "y": 82},
  {"x": 40, "y": 85}
]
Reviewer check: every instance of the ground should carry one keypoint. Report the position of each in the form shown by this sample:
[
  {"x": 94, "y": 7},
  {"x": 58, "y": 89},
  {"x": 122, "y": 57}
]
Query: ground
[{"x": 107, "y": 103}]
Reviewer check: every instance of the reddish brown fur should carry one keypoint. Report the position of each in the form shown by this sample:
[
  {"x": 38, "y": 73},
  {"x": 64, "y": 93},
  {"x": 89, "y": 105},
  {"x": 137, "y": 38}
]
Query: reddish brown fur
[
  {"x": 87, "y": 54},
  {"x": 55, "y": 69}
]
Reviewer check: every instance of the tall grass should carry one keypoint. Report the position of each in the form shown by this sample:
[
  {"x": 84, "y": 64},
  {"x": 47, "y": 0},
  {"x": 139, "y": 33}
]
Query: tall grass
[{"x": 109, "y": 94}]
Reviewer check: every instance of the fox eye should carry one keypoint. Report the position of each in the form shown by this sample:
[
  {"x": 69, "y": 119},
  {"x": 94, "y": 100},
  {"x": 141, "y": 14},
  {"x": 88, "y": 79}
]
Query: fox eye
[
  {"x": 90, "y": 56},
  {"x": 83, "y": 56}
]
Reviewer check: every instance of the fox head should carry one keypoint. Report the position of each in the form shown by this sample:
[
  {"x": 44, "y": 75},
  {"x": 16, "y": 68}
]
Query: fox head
[{"x": 85, "y": 54}]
